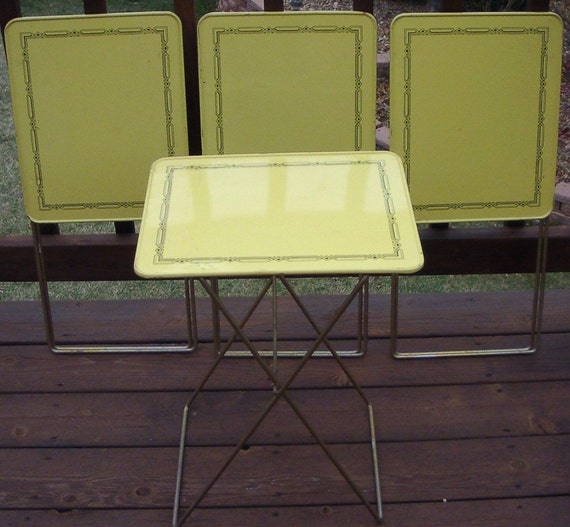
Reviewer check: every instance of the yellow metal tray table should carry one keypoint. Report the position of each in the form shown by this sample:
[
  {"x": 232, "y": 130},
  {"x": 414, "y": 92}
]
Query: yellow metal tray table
[
  {"x": 276, "y": 216},
  {"x": 474, "y": 103},
  {"x": 288, "y": 82},
  {"x": 96, "y": 100}
]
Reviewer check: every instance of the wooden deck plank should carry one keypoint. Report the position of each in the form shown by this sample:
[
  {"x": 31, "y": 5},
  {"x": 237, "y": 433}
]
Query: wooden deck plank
[
  {"x": 163, "y": 320},
  {"x": 521, "y": 512},
  {"x": 91, "y": 440},
  {"x": 402, "y": 414},
  {"x": 287, "y": 475},
  {"x": 25, "y": 369}
]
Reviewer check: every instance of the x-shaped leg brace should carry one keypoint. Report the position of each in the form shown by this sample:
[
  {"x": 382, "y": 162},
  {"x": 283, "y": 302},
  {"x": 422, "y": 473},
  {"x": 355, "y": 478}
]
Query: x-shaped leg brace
[
  {"x": 280, "y": 391},
  {"x": 362, "y": 323}
]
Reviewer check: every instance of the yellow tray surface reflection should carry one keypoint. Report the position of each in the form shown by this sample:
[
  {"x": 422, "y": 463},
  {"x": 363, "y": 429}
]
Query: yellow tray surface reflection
[{"x": 278, "y": 214}]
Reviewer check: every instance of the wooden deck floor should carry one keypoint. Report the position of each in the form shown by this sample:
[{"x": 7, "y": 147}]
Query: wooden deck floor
[{"x": 479, "y": 442}]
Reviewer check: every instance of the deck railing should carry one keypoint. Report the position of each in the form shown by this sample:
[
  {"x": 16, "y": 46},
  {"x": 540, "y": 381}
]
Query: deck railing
[{"x": 448, "y": 251}]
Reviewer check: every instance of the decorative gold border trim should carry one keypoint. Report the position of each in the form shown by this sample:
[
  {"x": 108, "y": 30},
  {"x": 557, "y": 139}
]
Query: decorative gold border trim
[
  {"x": 411, "y": 34},
  {"x": 396, "y": 254},
  {"x": 356, "y": 30},
  {"x": 25, "y": 38}
]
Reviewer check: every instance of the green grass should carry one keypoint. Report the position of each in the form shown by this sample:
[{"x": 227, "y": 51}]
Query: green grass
[
  {"x": 333, "y": 285},
  {"x": 71, "y": 7},
  {"x": 13, "y": 219}
]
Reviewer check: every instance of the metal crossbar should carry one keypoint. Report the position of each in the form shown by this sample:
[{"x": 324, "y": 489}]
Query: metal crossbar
[
  {"x": 362, "y": 316},
  {"x": 190, "y": 303},
  {"x": 279, "y": 391},
  {"x": 535, "y": 322}
]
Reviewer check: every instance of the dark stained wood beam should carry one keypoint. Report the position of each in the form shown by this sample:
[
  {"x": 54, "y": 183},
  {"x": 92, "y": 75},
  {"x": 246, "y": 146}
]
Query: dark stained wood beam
[
  {"x": 451, "y": 6},
  {"x": 94, "y": 7},
  {"x": 363, "y": 5},
  {"x": 9, "y": 9},
  {"x": 451, "y": 251},
  {"x": 491, "y": 250},
  {"x": 273, "y": 5},
  {"x": 538, "y": 5},
  {"x": 185, "y": 9}
]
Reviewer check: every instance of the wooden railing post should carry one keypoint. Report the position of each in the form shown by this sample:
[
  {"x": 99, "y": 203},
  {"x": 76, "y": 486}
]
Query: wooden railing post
[
  {"x": 273, "y": 5},
  {"x": 450, "y": 6},
  {"x": 185, "y": 9},
  {"x": 94, "y": 7},
  {"x": 538, "y": 5},
  {"x": 9, "y": 9},
  {"x": 363, "y": 5}
]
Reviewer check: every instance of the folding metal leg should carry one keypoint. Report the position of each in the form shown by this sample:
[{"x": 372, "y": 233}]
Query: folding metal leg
[
  {"x": 361, "y": 324},
  {"x": 190, "y": 303},
  {"x": 536, "y": 315},
  {"x": 280, "y": 391}
]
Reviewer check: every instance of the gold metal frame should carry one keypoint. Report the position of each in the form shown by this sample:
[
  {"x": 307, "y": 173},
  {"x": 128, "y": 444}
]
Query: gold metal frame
[
  {"x": 535, "y": 322},
  {"x": 190, "y": 303},
  {"x": 196, "y": 211},
  {"x": 474, "y": 103},
  {"x": 361, "y": 344},
  {"x": 96, "y": 100},
  {"x": 279, "y": 391}
]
